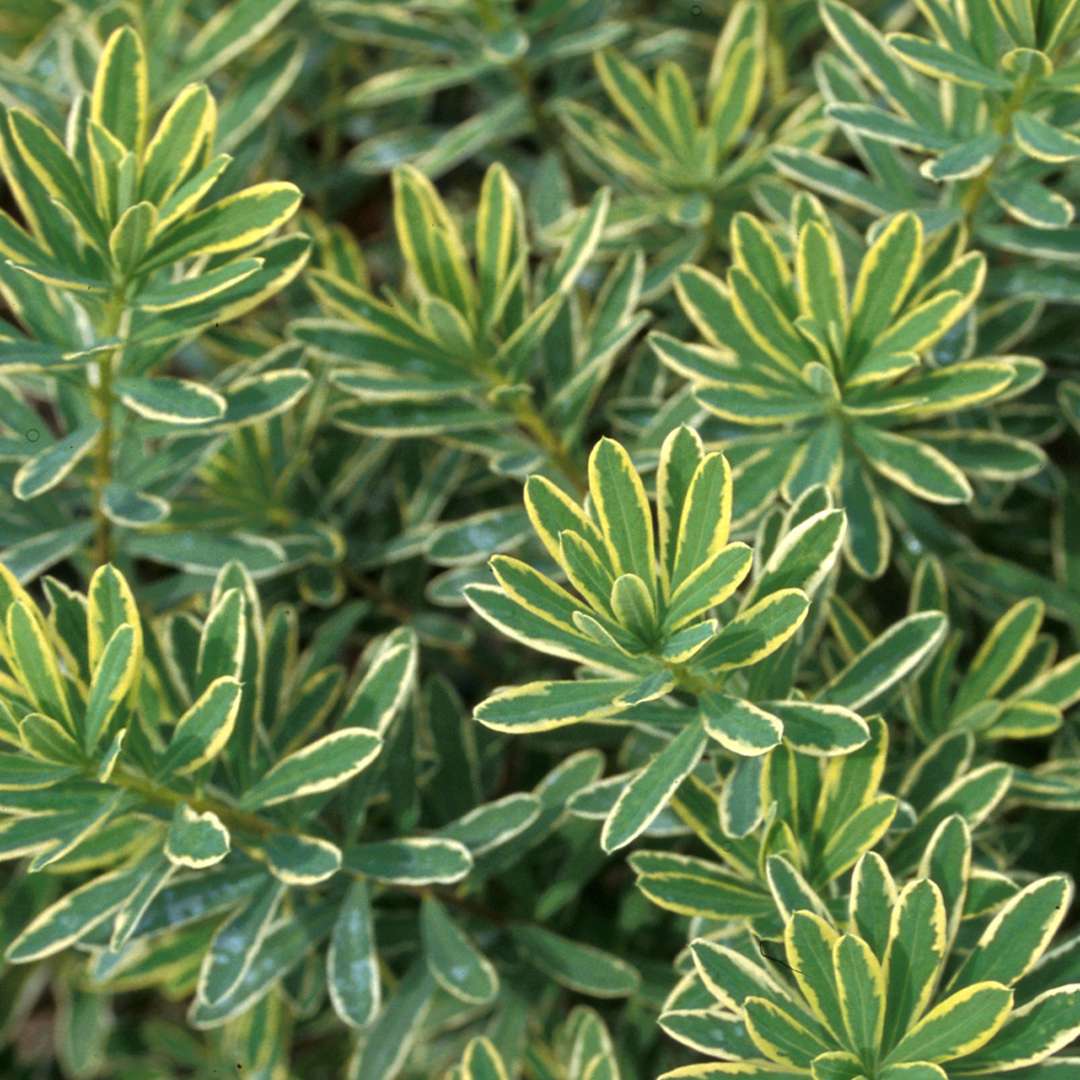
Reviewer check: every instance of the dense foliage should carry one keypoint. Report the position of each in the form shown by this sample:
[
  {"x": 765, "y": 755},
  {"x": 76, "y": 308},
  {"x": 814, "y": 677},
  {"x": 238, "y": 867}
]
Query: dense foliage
[{"x": 540, "y": 540}]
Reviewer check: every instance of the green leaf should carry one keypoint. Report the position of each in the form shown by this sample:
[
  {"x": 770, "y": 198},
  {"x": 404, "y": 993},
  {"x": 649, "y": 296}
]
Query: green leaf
[
  {"x": 411, "y": 861},
  {"x": 236, "y": 942},
  {"x": 152, "y": 873},
  {"x": 914, "y": 957},
  {"x": 301, "y": 860},
  {"x": 709, "y": 585},
  {"x": 455, "y": 962},
  {"x": 232, "y": 29},
  {"x": 623, "y": 511},
  {"x": 198, "y": 287},
  {"x": 1043, "y": 141},
  {"x": 21, "y": 773},
  {"x": 483, "y": 1062},
  {"x": 34, "y": 663},
  {"x": 110, "y": 604},
  {"x": 887, "y": 660},
  {"x": 705, "y": 517},
  {"x": 285, "y": 946},
  {"x": 1018, "y": 934},
  {"x": 50, "y": 163},
  {"x": 730, "y": 977},
  {"x": 169, "y": 400},
  {"x": 184, "y": 133},
  {"x": 633, "y": 606},
  {"x": 959, "y": 1025},
  {"x": 381, "y": 693},
  {"x": 756, "y": 632},
  {"x": 780, "y": 1034},
  {"x": 973, "y": 795},
  {"x": 885, "y": 277},
  {"x": 48, "y": 740},
  {"x": 964, "y": 160},
  {"x": 820, "y": 730},
  {"x": 196, "y": 840},
  {"x": 50, "y": 466},
  {"x": 320, "y": 766},
  {"x": 119, "y": 102},
  {"x": 1037, "y": 1029},
  {"x": 877, "y": 62},
  {"x": 680, "y": 455},
  {"x": 204, "y": 729},
  {"x": 884, "y": 126},
  {"x": 1031, "y": 203},
  {"x": 133, "y": 509},
  {"x": 584, "y": 969},
  {"x": 552, "y": 512},
  {"x": 396, "y": 1028},
  {"x": 234, "y": 222},
  {"x": 113, "y": 678},
  {"x": 856, "y": 835},
  {"x": 1000, "y": 654},
  {"x": 708, "y": 895},
  {"x": 738, "y": 725},
  {"x": 69, "y": 918},
  {"x": 914, "y": 465},
  {"x": 541, "y": 706},
  {"x": 937, "y": 61},
  {"x": 808, "y": 942},
  {"x": 766, "y": 324},
  {"x": 131, "y": 238},
  {"x": 352, "y": 969},
  {"x": 222, "y": 641},
  {"x": 493, "y": 824},
  {"x": 649, "y": 791}
]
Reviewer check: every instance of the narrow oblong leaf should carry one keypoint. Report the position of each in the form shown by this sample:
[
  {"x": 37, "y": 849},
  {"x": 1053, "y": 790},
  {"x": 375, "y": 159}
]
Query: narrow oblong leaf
[
  {"x": 204, "y": 729},
  {"x": 119, "y": 102},
  {"x": 582, "y": 968},
  {"x": 236, "y": 942},
  {"x": 411, "y": 861},
  {"x": 232, "y": 223},
  {"x": 320, "y": 766},
  {"x": 648, "y": 793},
  {"x": 72, "y": 916},
  {"x": 959, "y": 1025},
  {"x": 623, "y": 509},
  {"x": 352, "y": 969},
  {"x": 455, "y": 962}
]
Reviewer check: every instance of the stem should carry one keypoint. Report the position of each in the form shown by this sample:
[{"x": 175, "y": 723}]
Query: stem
[
  {"x": 775, "y": 57},
  {"x": 974, "y": 195},
  {"x": 103, "y": 406},
  {"x": 694, "y": 682},
  {"x": 239, "y": 821},
  {"x": 230, "y": 816},
  {"x": 529, "y": 418},
  {"x": 330, "y": 135},
  {"x": 488, "y": 15},
  {"x": 543, "y": 125}
]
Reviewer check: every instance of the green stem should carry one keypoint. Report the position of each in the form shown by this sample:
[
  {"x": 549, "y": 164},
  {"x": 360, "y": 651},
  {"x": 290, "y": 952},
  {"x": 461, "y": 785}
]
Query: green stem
[
  {"x": 239, "y": 821},
  {"x": 230, "y": 816},
  {"x": 530, "y": 419},
  {"x": 545, "y": 130},
  {"x": 973, "y": 196},
  {"x": 330, "y": 135},
  {"x": 103, "y": 406},
  {"x": 488, "y": 15},
  {"x": 694, "y": 682}
]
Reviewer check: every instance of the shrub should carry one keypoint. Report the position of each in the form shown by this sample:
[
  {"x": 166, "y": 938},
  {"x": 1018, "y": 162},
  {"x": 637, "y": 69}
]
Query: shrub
[{"x": 540, "y": 539}]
